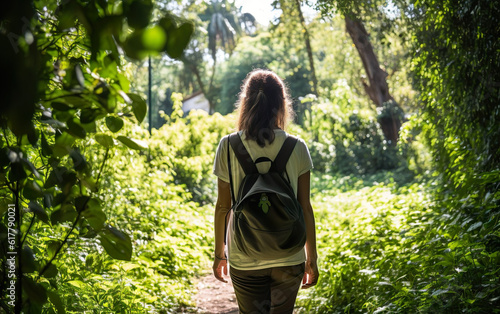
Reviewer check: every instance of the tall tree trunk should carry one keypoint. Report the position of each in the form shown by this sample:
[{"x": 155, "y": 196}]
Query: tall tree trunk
[
  {"x": 376, "y": 88},
  {"x": 308, "y": 47},
  {"x": 210, "y": 87}
]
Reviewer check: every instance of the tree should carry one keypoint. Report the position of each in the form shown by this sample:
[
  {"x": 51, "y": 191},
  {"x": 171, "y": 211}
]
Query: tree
[
  {"x": 224, "y": 25},
  {"x": 308, "y": 47},
  {"x": 376, "y": 88},
  {"x": 290, "y": 21}
]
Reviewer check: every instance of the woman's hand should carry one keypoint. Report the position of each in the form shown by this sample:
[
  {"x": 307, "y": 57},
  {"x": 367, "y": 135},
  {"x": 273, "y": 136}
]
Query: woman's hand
[
  {"x": 311, "y": 274},
  {"x": 220, "y": 267}
]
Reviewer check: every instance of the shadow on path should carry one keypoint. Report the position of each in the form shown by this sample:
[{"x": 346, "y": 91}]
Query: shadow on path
[{"x": 215, "y": 297}]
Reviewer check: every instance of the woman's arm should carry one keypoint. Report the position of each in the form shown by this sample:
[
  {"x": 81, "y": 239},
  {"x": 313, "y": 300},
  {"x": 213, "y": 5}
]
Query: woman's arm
[
  {"x": 222, "y": 206},
  {"x": 311, "y": 274}
]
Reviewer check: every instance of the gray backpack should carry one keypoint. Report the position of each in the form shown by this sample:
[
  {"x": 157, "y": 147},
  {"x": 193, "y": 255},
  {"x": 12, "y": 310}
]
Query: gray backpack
[{"x": 268, "y": 219}]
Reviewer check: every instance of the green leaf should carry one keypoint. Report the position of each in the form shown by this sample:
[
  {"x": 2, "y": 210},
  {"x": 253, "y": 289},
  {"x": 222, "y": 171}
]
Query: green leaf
[
  {"x": 17, "y": 172},
  {"x": 38, "y": 211},
  {"x": 62, "y": 116},
  {"x": 105, "y": 140},
  {"x": 167, "y": 22},
  {"x": 79, "y": 162},
  {"x": 90, "y": 127},
  {"x": 66, "y": 15},
  {"x": 46, "y": 150},
  {"x": 32, "y": 190},
  {"x": 138, "y": 13},
  {"x": 55, "y": 299},
  {"x": 28, "y": 260},
  {"x": 90, "y": 183},
  {"x": 178, "y": 40},
  {"x": 4, "y": 206},
  {"x": 139, "y": 106},
  {"x": 89, "y": 115},
  {"x": 32, "y": 168},
  {"x": 81, "y": 203},
  {"x": 114, "y": 124},
  {"x": 77, "y": 284},
  {"x": 52, "y": 248},
  {"x": 116, "y": 243},
  {"x": 474, "y": 226},
  {"x": 133, "y": 46},
  {"x": 131, "y": 143},
  {"x": 4, "y": 157},
  {"x": 68, "y": 181},
  {"x": 51, "y": 271},
  {"x": 55, "y": 177},
  {"x": 94, "y": 214},
  {"x": 66, "y": 213},
  {"x": 35, "y": 291},
  {"x": 74, "y": 128},
  {"x": 77, "y": 101},
  {"x": 47, "y": 200},
  {"x": 63, "y": 144},
  {"x": 60, "y": 106}
]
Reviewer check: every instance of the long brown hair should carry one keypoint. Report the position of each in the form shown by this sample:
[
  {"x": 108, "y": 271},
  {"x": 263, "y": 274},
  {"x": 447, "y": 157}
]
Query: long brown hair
[{"x": 264, "y": 105}]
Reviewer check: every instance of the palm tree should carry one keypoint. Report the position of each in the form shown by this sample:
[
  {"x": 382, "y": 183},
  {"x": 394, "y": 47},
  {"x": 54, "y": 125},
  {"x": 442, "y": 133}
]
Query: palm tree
[{"x": 223, "y": 28}]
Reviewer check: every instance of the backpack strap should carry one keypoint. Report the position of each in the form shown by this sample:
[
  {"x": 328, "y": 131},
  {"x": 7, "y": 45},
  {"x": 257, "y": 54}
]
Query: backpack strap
[
  {"x": 242, "y": 154},
  {"x": 279, "y": 164},
  {"x": 230, "y": 183}
]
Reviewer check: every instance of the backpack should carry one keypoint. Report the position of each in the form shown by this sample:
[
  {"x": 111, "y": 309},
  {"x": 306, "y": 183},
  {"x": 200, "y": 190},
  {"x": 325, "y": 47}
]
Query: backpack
[{"x": 268, "y": 219}]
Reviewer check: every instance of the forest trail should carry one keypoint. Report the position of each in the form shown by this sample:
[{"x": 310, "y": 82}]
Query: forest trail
[{"x": 215, "y": 297}]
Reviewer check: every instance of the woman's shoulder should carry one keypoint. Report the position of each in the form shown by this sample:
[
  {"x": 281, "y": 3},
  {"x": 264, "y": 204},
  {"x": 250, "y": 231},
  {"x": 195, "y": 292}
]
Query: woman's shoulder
[{"x": 300, "y": 141}]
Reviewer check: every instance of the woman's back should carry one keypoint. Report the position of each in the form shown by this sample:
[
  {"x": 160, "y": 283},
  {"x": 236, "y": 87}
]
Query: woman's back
[{"x": 263, "y": 283}]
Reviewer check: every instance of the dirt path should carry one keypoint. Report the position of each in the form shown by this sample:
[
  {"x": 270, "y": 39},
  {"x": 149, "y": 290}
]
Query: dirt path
[{"x": 215, "y": 297}]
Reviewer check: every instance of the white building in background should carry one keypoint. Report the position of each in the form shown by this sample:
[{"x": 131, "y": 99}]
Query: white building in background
[{"x": 195, "y": 101}]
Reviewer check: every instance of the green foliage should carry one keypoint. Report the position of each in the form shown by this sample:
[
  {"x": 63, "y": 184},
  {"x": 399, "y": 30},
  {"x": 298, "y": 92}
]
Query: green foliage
[
  {"x": 113, "y": 219},
  {"x": 191, "y": 143},
  {"x": 386, "y": 247},
  {"x": 456, "y": 69},
  {"x": 63, "y": 114},
  {"x": 431, "y": 247}
]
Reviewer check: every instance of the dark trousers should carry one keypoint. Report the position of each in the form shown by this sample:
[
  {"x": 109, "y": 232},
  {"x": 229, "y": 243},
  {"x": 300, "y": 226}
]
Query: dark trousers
[{"x": 270, "y": 290}]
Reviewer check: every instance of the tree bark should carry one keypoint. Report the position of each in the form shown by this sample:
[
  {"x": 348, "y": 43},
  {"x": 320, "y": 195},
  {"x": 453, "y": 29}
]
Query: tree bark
[
  {"x": 309, "y": 49},
  {"x": 377, "y": 87}
]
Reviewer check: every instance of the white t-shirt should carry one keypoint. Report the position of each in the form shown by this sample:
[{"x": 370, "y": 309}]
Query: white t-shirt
[{"x": 299, "y": 163}]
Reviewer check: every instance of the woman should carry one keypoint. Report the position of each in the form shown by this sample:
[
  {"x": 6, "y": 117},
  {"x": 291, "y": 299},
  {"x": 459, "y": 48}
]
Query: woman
[{"x": 264, "y": 286}]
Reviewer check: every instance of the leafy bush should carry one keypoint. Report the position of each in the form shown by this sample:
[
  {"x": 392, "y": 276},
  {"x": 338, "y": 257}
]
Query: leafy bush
[
  {"x": 386, "y": 248},
  {"x": 348, "y": 140},
  {"x": 185, "y": 147},
  {"x": 148, "y": 195}
]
